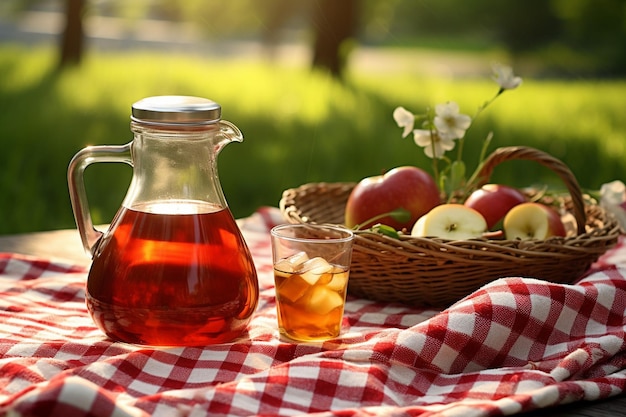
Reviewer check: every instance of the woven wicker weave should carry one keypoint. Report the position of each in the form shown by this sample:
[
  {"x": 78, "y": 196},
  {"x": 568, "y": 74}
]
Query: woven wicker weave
[{"x": 438, "y": 272}]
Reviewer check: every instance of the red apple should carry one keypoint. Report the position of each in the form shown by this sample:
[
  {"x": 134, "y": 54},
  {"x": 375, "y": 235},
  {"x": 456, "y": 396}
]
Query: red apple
[
  {"x": 533, "y": 221},
  {"x": 406, "y": 187},
  {"x": 494, "y": 201}
]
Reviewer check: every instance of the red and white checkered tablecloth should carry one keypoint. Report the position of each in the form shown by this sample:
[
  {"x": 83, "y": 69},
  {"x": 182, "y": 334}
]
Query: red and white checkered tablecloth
[{"x": 515, "y": 345}]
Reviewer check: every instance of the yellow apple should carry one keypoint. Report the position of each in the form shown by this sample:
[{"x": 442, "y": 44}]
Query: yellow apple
[
  {"x": 451, "y": 221},
  {"x": 533, "y": 221}
]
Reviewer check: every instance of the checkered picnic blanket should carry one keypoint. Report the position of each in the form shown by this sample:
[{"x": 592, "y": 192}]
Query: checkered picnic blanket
[{"x": 514, "y": 345}]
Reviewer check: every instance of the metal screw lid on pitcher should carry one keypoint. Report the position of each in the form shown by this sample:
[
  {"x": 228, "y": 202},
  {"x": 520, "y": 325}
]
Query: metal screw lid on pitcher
[{"x": 177, "y": 110}]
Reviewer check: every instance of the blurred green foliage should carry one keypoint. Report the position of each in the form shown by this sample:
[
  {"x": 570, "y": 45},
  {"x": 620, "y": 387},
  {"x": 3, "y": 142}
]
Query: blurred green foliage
[
  {"x": 570, "y": 38},
  {"x": 299, "y": 126},
  {"x": 563, "y": 37}
]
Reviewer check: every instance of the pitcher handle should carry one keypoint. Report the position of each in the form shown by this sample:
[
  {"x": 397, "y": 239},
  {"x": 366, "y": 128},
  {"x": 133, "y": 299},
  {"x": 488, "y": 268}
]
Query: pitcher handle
[{"x": 78, "y": 195}]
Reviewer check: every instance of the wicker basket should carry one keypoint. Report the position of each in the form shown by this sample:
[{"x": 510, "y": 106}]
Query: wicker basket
[{"x": 438, "y": 272}]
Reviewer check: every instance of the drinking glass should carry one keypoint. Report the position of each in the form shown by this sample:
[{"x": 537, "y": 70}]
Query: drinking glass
[{"x": 311, "y": 268}]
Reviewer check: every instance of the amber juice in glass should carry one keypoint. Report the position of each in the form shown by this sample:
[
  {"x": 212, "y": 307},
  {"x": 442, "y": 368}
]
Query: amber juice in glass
[{"x": 311, "y": 268}]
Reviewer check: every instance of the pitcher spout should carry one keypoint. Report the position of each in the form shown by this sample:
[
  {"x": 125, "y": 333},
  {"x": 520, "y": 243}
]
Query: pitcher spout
[{"x": 229, "y": 133}]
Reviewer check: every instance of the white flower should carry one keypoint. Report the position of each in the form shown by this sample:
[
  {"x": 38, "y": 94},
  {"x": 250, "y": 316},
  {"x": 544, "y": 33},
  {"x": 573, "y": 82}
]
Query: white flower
[
  {"x": 613, "y": 199},
  {"x": 613, "y": 193},
  {"x": 449, "y": 122},
  {"x": 405, "y": 119},
  {"x": 504, "y": 76},
  {"x": 429, "y": 140}
]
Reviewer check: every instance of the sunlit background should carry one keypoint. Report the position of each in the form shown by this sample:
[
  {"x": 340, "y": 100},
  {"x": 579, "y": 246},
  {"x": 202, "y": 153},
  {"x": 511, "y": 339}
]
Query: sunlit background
[{"x": 312, "y": 84}]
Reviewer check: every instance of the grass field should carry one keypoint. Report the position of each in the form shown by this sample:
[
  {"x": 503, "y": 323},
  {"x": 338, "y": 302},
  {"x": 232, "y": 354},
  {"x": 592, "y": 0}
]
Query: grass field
[{"x": 299, "y": 126}]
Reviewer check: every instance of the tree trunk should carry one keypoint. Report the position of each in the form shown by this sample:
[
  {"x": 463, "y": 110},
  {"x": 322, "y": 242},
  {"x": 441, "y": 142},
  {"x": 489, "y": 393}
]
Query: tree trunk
[
  {"x": 72, "y": 36},
  {"x": 334, "y": 23}
]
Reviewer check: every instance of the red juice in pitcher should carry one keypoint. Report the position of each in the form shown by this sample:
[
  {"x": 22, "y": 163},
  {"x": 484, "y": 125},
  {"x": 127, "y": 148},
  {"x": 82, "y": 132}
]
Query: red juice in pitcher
[{"x": 173, "y": 273}]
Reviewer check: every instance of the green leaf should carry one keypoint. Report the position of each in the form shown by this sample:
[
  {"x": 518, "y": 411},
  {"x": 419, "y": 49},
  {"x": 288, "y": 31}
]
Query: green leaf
[
  {"x": 400, "y": 214},
  {"x": 444, "y": 184},
  {"x": 457, "y": 175},
  {"x": 386, "y": 230}
]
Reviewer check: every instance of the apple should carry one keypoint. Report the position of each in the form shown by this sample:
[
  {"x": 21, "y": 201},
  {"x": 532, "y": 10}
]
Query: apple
[
  {"x": 494, "y": 201},
  {"x": 533, "y": 221},
  {"x": 407, "y": 187},
  {"x": 451, "y": 221}
]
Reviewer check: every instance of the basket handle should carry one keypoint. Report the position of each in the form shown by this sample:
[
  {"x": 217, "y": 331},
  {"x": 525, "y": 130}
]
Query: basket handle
[{"x": 509, "y": 153}]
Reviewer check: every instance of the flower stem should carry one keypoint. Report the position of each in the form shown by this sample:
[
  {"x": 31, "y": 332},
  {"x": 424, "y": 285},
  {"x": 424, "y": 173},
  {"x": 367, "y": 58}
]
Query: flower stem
[
  {"x": 436, "y": 171},
  {"x": 459, "y": 152},
  {"x": 435, "y": 159},
  {"x": 471, "y": 183},
  {"x": 488, "y": 102}
]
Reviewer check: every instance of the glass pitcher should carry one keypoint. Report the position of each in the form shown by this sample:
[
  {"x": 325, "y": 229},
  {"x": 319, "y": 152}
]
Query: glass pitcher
[{"x": 173, "y": 267}]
